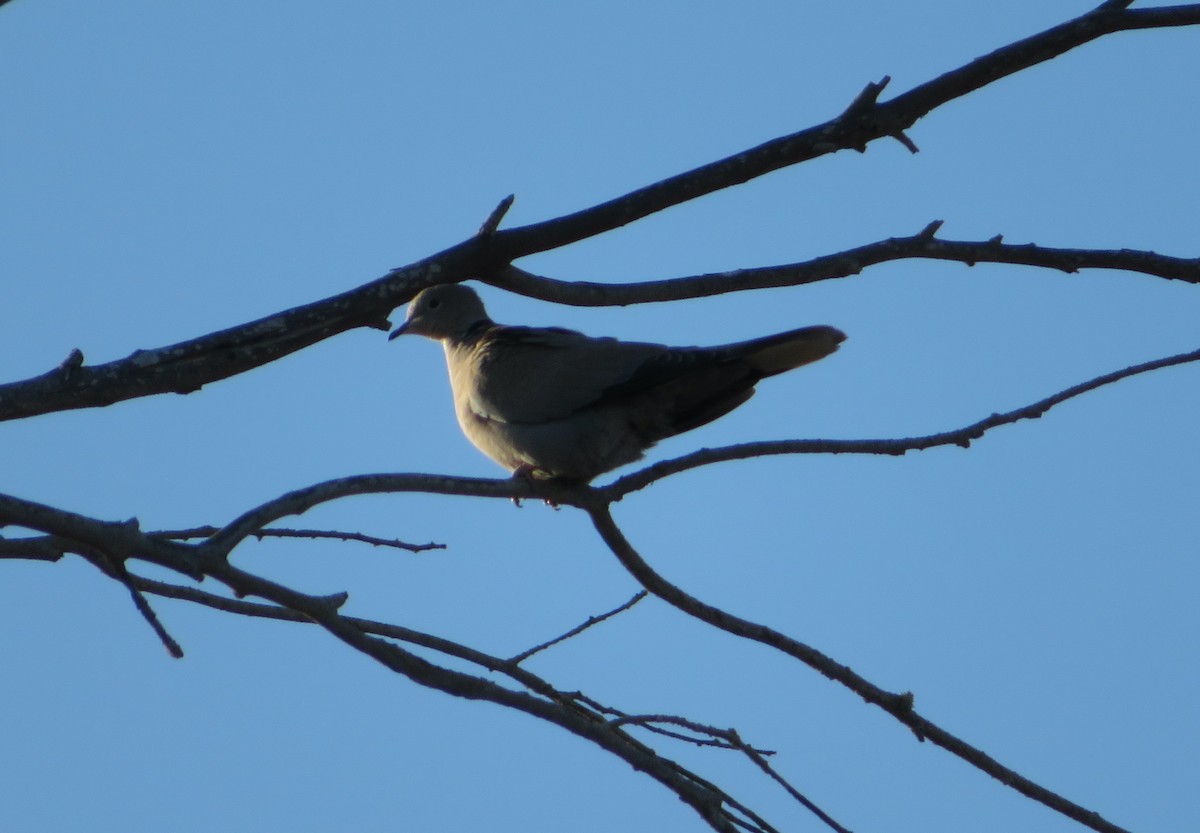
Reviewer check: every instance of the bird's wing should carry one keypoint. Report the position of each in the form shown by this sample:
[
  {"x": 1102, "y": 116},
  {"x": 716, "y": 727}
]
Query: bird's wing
[{"x": 533, "y": 375}]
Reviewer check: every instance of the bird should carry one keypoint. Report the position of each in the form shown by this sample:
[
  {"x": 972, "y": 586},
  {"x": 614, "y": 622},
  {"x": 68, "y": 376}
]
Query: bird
[{"x": 554, "y": 404}]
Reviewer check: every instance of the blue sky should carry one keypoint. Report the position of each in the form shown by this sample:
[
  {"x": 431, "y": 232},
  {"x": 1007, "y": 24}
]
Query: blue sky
[{"x": 175, "y": 168}]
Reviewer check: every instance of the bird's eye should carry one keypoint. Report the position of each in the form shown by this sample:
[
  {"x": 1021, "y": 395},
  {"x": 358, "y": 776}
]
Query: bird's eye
[{"x": 434, "y": 303}]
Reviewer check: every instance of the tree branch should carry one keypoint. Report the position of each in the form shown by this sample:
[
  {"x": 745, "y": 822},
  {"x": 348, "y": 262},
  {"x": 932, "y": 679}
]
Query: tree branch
[
  {"x": 310, "y": 534},
  {"x": 923, "y": 245},
  {"x": 710, "y": 806},
  {"x": 189, "y": 365},
  {"x": 863, "y": 122},
  {"x": 899, "y": 706},
  {"x": 730, "y": 739},
  {"x": 719, "y": 810},
  {"x": 70, "y": 532},
  {"x": 961, "y": 437},
  {"x": 578, "y": 629}
]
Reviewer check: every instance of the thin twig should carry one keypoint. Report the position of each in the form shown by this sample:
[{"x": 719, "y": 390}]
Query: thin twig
[
  {"x": 313, "y": 534},
  {"x": 715, "y": 737},
  {"x": 578, "y": 629},
  {"x": 115, "y": 566},
  {"x": 493, "y": 220},
  {"x": 709, "y": 805},
  {"x": 535, "y": 684},
  {"x": 762, "y": 763},
  {"x": 730, "y": 739}
]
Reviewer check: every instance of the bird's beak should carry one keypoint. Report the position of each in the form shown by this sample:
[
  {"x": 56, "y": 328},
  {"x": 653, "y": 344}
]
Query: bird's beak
[{"x": 399, "y": 331}]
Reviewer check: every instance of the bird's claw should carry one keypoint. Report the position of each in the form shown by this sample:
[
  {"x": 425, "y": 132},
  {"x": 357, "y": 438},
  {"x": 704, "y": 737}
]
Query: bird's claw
[{"x": 524, "y": 473}]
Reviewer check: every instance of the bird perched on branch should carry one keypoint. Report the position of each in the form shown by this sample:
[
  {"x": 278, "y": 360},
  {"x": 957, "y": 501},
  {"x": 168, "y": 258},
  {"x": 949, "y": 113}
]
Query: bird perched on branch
[{"x": 546, "y": 402}]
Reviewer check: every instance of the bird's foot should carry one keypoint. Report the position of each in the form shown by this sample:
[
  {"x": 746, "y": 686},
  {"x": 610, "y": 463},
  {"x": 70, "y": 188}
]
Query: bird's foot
[{"x": 524, "y": 473}]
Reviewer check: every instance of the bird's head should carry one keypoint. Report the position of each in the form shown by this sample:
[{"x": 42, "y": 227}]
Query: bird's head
[{"x": 442, "y": 312}]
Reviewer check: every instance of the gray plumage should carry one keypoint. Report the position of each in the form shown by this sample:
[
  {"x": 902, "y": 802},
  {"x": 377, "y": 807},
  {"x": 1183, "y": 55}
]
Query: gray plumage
[{"x": 554, "y": 403}]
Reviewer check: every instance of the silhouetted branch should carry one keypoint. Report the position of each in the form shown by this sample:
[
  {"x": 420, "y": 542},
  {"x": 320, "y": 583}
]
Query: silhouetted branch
[
  {"x": 301, "y": 500},
  {"x": 730, "y": 739},
  {"x": 719, "y": 810},
  {"x": 114, "y": 567},
  {"x": 311, "y": 534},
  {"x": 202, "y": 553},
  {"x": 899, "y": 706},
  {"x": 961, "y": 437},
  {"x": 493, "y": 220},
  {"x": 31, "y": 549},
  {"x": 860, "y": 124},
  {"x": 578, "y": 629},
  {"x": 709, "y": 805},
  {"x": 189, "y": 365},
  {"x": 209, "y": 558},
  {"x": 703, "y": 734},
  {"x": 923, "y": 245},
  {"x": 762, "y": 763}
]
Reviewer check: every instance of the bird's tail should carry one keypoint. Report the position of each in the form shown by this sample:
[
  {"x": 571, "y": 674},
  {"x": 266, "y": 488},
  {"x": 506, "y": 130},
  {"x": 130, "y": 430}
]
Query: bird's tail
[{"x": 781, "y": 352}]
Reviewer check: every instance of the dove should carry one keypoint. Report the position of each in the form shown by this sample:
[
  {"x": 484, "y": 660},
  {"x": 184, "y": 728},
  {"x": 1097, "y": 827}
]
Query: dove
[{"x": 551, "y": 403}]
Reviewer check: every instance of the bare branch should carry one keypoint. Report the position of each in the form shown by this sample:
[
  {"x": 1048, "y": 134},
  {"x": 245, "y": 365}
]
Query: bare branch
[
  {"x": 31, "y": 549},
  {"x": 762, "y": 763},
  {"x": 710, "y": 735},
  {"x": 710, "y": 806},
  {"x": 923, "y": 245},
  {"x": 187, "y": 366},
  {"x": 414, "y": 637},
  {"x": 70, "y": 531},
  {"x": 210, "y": 557},
  {"x": 1105, "y": 19},
  {"x": 863, "y": 122},
  {"x": 301, "y": 500},
  {"x": 27, "y": 514},
  {"x": 115, "y": 568},
  {"x": 30, "y": 515},
  {"x": 493, "y": 220},
  {"x": 962, "y": 437},
  {"x": 730, "y": 739},
  {"x": 358, "y": 537},
  {"x": 312, "y": 534},
  {"x": 899, "y": 706},
  {"x": 719, "y": 810},
  {"x": 532, "y": 682},
  {"x": 578, "y": 629}
]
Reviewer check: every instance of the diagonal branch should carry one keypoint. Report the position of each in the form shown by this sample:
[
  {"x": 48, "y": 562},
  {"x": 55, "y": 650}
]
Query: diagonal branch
[
  {"x": 532, "y": 682},
  {"x": 717, "y": 808},
  {"x": 76, "y": 533},
  {"x": 729, "y": 738},
  {"x": 899, "y": 706},
  {"x": 578, "y": 629},
  {"x": 863, "y": 122},
  {"x": 114, "y": 567},
  {"x": 189, "y": 365},
  {"x": 711, "y": 806}
]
